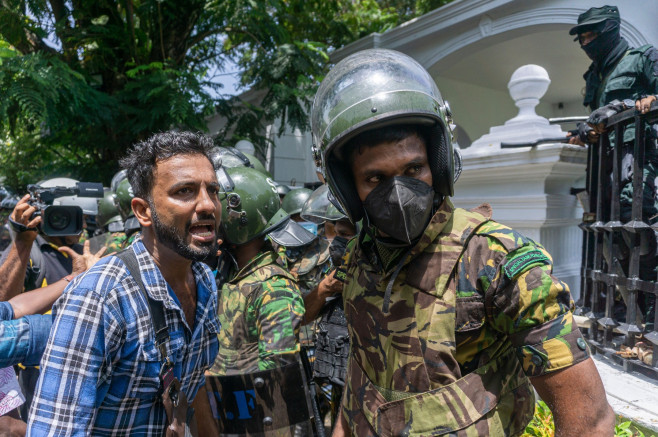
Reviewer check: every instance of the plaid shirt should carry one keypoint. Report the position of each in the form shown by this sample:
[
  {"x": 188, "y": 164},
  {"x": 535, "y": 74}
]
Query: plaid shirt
[{"x": 100, "y": 368}]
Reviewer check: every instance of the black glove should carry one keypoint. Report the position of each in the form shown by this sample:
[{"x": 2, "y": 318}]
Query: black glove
[
  {"x": 600, "y": 116},
  {"x": 583, "y": 130}
]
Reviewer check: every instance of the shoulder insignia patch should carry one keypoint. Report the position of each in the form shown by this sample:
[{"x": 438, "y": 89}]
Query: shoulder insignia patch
[{"x": 522, "y": 263}]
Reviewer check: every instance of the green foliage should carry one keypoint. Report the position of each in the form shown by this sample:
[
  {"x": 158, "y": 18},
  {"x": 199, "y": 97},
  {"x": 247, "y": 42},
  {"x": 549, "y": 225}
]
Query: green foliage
[
  {"x": 82, "y": 81},
  {"x": 541, "y": 424}
]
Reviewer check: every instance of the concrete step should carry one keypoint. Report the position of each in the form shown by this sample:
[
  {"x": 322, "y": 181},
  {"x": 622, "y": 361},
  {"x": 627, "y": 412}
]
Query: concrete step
[{"x": 631, "y": 395}]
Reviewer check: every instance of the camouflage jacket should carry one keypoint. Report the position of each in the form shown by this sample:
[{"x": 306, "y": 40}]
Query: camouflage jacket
[
  {"x": 117, "y": 242},
  {"x": 309, "y": 265},
  {"x": 471, "y": 296},
  {"x": 261, "y": 310}
]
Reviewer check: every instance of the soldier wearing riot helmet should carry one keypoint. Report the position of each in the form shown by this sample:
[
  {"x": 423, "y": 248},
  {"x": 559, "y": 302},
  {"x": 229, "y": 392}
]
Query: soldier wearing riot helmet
[
  {"x": 331, "y": 336},
  {"x": 230, "y": 157},
  {"x": 622, "y": 77},
  {"x": 260, "y": 306},
  {"x": 420, "y": 272},
  {"x": 124, "y": 196},
  {"x": 309, "y": 263},
  {"x": 110, "y": 223}
]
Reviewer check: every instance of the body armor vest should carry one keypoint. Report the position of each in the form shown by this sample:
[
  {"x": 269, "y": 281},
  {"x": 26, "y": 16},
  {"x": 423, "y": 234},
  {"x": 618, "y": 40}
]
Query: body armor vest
[{"x": 332, "y": 344}]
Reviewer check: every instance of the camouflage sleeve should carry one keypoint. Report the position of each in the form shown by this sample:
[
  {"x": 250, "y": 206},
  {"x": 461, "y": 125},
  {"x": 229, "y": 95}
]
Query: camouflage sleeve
[
  {"x": 278, "y": 311},
  {"x": 528, "y": 304}
]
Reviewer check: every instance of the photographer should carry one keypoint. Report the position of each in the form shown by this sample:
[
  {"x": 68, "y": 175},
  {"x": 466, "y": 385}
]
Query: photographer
[{"x": 35, "y": 260}]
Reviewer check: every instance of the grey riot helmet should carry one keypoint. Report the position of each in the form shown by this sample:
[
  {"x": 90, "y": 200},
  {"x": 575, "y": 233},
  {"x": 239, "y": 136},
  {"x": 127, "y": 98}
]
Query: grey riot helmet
[{"x": 369, "y": 90}]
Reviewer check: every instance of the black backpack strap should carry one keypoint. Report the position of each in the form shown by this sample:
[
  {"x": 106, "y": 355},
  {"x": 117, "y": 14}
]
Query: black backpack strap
[{"x": 156, "y": 307}]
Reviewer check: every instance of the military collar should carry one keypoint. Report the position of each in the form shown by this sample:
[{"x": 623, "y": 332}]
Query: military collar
[
  {"x": 436, "y": 225},
  {"x": 261, "y": 260}
]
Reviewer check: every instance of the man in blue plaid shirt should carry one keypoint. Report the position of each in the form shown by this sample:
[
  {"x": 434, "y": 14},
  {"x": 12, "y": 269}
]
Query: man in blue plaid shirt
[{"x": 100, "y": 370}]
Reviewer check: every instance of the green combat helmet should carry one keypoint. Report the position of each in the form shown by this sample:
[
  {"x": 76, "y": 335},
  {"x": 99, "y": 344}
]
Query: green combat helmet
[
  {"x": 124, "y": 197},
  {"x": 318, "y": 208},
  {"x": 108, "y": 213},
  {"x": 295, "y": 200},
  {"x": 251, "y": 209},
  {"x": 369, "y": 90},
  {"x": 230, "y": 157},
  {"x": 282, "y": 189}
]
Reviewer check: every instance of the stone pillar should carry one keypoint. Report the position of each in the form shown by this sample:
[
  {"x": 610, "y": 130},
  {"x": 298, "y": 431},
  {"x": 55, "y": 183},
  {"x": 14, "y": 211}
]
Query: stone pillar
[{"x": 529, "y": 187}]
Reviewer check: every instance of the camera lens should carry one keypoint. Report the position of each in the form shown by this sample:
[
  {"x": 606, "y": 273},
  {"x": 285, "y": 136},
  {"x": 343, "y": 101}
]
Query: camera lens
[{"x": 59, "y": 220}]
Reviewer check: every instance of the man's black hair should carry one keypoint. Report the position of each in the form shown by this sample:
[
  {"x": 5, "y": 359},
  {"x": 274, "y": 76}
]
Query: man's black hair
[
  {"x": 387, "y": 134},
  {"x": 141, "y": 159}
]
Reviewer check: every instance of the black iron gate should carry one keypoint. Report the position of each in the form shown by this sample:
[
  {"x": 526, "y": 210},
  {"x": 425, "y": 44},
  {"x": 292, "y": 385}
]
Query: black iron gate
[{"x": 616, "y": 297}]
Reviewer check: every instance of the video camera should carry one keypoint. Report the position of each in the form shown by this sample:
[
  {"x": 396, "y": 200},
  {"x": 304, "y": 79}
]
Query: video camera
[{"x": 60, "y": 220}]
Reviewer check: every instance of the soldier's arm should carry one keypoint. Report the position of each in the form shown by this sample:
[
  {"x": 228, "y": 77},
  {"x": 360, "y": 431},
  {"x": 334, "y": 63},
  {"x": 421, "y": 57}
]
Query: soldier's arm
[
  {"x": 315, "y": 300},
  {"x": 577, "y": 399},
  {"x": 651, "y": 77},
  {"x": 279, "y": 311},
  {"x": 534, "y": 309}
]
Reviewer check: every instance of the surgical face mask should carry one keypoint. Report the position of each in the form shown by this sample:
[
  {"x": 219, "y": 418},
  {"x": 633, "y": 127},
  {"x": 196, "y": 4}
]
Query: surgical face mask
[
  {"x": 309, "y": 226},
  {"x": 337, "y": 250},
  {"x": 400, "y": 207}
]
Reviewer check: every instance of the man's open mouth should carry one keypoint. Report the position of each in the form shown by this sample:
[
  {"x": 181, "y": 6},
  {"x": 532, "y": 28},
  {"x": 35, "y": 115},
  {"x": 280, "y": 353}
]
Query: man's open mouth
[{"x": 204, "y": 232}]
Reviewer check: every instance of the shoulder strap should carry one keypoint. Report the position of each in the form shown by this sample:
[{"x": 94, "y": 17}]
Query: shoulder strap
[
  {"x": 35, "y": 271},
  {"x": 156, "y": 307}
]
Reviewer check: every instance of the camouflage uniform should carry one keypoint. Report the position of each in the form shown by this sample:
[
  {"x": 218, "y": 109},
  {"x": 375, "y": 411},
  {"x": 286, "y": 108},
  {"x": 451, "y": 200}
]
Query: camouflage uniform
[
  {"x": 260, "y": 310},
  {"x": 117, "y": 242},
  {"x": 309, "y": 265},
  {"x": 472, "y": 294}
]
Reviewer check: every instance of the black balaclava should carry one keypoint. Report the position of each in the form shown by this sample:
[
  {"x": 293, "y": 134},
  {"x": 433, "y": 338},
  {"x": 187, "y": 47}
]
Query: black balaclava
[{"x": 601, "y": 46}]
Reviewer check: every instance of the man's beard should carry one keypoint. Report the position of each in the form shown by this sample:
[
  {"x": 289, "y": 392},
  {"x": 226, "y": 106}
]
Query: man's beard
[{"x": 170, "y": 236}]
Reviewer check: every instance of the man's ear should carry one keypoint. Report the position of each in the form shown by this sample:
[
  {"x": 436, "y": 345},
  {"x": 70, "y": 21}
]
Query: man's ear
[{"x": 142, "y": 211}]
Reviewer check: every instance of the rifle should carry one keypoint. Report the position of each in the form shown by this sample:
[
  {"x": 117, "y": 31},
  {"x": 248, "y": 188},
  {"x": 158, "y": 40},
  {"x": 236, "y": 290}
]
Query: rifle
[
  {"x": 555, "y": 120},
  {"x": 317, "y": 422}
]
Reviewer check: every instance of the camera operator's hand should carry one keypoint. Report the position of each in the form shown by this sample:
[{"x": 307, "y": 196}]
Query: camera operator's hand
[
  {"x": 82, "y": 263},
  {"x": 22, "y": 215}
]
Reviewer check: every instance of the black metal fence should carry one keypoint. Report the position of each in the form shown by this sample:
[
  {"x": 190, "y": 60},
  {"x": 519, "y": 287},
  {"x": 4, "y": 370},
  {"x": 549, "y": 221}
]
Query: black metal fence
[{"x": 619, "y": 280}]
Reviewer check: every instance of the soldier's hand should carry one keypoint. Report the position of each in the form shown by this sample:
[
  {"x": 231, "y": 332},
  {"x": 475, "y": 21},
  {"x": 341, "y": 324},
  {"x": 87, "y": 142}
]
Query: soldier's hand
[
  {"x": 22, "y": 216},
  {"x": 574, "y": 139},
  {"x": 82, "y": 263},
  {"x": 330, "y": 286},
  {"x": 643, "y": 105}
]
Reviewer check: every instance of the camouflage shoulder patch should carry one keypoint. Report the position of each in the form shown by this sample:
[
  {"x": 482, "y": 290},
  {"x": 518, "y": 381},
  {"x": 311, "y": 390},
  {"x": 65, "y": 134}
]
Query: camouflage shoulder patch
[{"x": 523, "y": 262}]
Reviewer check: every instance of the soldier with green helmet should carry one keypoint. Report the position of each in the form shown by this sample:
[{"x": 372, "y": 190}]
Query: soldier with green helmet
[
  {"x": 324, "y": 306},
  {"x": 260, "y": 306},
  {"x": 230, "y": 157},
  {"x": 452, "y": 317},
  {"x": 309, "y": 263},
  {"x": 109, "y": 221},
  {"x": 124, "y": 196}
]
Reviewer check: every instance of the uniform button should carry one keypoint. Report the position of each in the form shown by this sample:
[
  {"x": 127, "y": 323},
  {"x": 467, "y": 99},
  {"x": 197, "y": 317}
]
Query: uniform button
[
  {"x": 581, "y": 343},
  {"x": 537, "y": 360}
]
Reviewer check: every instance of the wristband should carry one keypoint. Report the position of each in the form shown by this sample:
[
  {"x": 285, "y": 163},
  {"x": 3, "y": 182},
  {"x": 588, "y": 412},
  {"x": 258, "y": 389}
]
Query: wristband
[{"x": 19, "y": 227}]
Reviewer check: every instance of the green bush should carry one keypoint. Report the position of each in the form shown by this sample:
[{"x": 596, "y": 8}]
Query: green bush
[{"x": 542, "y": 425}]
